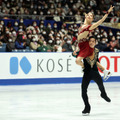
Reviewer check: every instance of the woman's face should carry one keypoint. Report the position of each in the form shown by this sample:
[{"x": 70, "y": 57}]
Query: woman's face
[
  {"x": 89, "y": 17},
  {"x": 92, "y": 42}
]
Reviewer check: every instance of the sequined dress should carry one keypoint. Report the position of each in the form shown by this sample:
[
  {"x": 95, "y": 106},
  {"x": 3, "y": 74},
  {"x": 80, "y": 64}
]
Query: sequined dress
[{"x": 85, "y": 49}]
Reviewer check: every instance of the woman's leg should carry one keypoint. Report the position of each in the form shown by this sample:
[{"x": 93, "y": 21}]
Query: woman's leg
[{"x": 79, "y": 61}]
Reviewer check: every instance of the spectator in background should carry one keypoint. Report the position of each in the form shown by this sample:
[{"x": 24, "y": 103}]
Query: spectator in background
[
  {"x": 27, "y": 38},
  {"x": 42, "y": 48},
  {"x": 110, "y": 34},
  {"x": 1, "y": 33},
  {"x": 114, "y": 43},
  {"x": 45, "y": 8},
  {"x": 105, "y": 34},
  {"x": 55, "y": 27},
  {"x": 49, "y": 15},
  {"x": 93, "y": 4},
  {"x": 20, "y": 43},
  {"x": 1, "y": 43},
  {"x": 118, "y": 38},
  {"x": 98, "y": 15},
  {"x": 16, "y": 26},
  {"x": 51, "y": 37},
  {"x": 21, "y": 24},
  {"x": 118, "y": 33},
  {"x": 9, "y": 24},
  {"x": 58, "y": 45},
  {"x": 57, "y": 16},
  {"x": 48, "y": 28},
  {"x": 12, "y": 12},
  {"x": 41, "y": 27},
  {"x": 10, "y": 45},
  {"x": 36, "y": 28},
  {"x": 114, "y": 19},
  {"x": 34, "y": 43},
  {"x": 6, "y": 35},
  {"x": 70, "y": 14},
  {"x": 54, "y": 9},
  {"x": 67, "y": 46},
  {"x": 14, "y": 35},
  {"x": 78, "y": 17},
  {"x": 102, "y": 45},
  {"x": 1, "y": 24},
  {"x": 50, "y": 45},
  {"x": 44, "y": 34}
]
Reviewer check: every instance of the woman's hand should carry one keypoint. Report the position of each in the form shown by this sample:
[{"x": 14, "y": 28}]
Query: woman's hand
[
  {"x": 111, "y": 8},
  {"x": 74, "y": 53},
  {"x": 101, "y": 20},
  {"x": 85, "y": 15}
]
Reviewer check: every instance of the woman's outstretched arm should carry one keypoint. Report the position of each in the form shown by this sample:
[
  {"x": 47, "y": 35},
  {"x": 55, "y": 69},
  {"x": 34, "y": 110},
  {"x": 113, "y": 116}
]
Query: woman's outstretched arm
[{"x": 95, "y": 25}]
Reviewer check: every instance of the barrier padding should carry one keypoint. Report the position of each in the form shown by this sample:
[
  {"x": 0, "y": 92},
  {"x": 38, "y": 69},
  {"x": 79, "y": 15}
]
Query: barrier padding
[{"x": 49, "y": 81}]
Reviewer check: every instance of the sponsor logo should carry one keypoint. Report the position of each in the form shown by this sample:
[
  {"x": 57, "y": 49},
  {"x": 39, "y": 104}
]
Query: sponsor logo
[{"x": 24, "y": 64}]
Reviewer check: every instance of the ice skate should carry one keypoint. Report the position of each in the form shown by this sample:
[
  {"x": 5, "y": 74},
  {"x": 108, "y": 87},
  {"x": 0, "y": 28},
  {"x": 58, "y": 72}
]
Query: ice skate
[
  {"x": 107, "y": 74},
  {"x": 86, "y": 111},
  {"x": 105, "y": 98}
]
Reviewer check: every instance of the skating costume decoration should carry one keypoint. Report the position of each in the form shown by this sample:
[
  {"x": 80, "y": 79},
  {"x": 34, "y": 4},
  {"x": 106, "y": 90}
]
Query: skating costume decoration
[
  {"x": 92, "y": 62},
  {"x": 85, "y": 49}
]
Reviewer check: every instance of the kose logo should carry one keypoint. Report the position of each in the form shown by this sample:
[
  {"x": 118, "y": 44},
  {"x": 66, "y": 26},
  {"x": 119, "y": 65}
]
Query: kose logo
[{"x": 24, "y": 64}]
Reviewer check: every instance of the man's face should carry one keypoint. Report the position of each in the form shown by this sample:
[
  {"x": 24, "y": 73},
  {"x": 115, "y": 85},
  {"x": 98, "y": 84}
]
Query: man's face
[{"x": 92, "y": 42}]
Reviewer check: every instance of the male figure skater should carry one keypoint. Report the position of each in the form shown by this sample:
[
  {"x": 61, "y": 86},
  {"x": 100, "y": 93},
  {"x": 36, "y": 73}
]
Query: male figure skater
[{"x": 91, "y": 73}]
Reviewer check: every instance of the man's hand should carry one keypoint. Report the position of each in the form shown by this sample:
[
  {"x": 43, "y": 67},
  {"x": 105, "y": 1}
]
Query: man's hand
[{"x": 82, "y": 69}]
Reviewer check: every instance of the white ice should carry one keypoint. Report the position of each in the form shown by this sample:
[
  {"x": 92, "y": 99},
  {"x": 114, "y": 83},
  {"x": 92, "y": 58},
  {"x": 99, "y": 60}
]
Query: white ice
[{"x": 57, "y": 102}]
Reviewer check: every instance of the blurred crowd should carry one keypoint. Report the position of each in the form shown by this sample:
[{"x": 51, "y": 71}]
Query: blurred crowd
[
  {"x": 43, "y": 38},
  {"x": 48, "y": 38},
  {"x": 59, "y": 10}
]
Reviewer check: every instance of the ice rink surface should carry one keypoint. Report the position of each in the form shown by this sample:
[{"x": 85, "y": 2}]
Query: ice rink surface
[{"x": 57, "y": 102}]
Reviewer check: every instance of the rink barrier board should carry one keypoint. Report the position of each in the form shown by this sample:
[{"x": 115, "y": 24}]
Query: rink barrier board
[
  {"x": 50, "y": 68},
  {"x": 51, "y": 81}
]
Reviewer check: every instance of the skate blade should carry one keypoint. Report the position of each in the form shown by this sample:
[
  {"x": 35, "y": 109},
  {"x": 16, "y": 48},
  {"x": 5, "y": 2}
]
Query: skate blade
[
  {"x": 109, "y": 75},
  {"x": 85, "y": 114}
]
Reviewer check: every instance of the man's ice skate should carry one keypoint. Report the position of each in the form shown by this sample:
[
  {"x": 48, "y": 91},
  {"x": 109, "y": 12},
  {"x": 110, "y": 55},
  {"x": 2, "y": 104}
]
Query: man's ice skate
[
  {"x": 105, "y": 97},
  {"x": 86, "y": 111},
  {"x": 107, "y": 74}
]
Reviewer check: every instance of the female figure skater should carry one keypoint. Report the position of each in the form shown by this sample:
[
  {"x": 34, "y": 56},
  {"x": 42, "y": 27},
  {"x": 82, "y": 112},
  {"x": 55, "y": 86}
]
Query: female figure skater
[
  {"x": 91, "y": 73},
  {"x": 83, "y": 32}
]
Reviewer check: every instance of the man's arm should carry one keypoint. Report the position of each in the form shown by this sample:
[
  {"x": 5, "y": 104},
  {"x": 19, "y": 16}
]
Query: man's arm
[
  {"x": 107, "y": 73},
  {"x": 100, "y": 66},
  {"x": 95, "y": 25}
]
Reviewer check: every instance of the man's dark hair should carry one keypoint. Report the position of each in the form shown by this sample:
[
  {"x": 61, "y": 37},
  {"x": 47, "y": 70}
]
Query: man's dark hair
[{"x": 92, "y": 37}]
